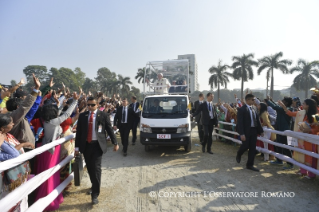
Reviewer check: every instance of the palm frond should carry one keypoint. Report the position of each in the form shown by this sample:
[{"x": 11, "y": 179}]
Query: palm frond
[
  {"x": 294, "y": 69},
  {"x": 302, "y": 62},
  {"x": 283, "y": 68},
  {"x": 277, "y": 56},
  {"x": 261, "y": 68}
]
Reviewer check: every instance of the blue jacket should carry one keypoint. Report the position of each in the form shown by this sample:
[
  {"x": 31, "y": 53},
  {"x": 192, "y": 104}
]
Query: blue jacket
[{"x": 33, "y": 109}]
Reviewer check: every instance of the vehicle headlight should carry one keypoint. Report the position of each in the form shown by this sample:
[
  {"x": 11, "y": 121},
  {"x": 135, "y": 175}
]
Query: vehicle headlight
[
  {"x": 146, "y": 128},
  {"x": 182, "y": 128}
]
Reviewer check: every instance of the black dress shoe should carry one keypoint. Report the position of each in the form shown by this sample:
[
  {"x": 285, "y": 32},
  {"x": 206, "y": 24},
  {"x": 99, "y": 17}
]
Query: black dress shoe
[
  {"x": 125, "y": 153},
  {"x": 238, "y": 158},
  {"x": 203, "y": 149},
  {"x": 210, "y": 152},
  {"x": 89, "y": 192},
  {"x": 252, "y": 168},
  {"x": 95, "y": 201},
  {"x": 133, "y": 143}
]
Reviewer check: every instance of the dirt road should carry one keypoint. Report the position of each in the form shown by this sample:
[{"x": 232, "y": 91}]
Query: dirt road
[{"x": 168, "y": 179}]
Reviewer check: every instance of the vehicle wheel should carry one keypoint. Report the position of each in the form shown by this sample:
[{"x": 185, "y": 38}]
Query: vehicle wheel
[
  {"x": 188, "y": 147},
  {"x": 147, "y": 148}
]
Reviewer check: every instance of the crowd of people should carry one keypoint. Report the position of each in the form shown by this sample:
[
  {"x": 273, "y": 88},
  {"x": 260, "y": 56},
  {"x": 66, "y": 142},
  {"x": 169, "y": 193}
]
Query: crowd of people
[
  {"x": 286, "y": 114},
  {"x": 32, "y": 119}
]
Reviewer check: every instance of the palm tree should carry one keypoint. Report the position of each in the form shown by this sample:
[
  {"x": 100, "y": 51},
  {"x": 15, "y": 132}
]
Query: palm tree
[
  {"x": 272, "y": 62},
  {"x": 219, "y": 76},
  {"x": 141, "y": 74},
  {"x": 124, "y": 82},
  {"x": 305, "y": 80},
  {"x": 243, "y": 69}
]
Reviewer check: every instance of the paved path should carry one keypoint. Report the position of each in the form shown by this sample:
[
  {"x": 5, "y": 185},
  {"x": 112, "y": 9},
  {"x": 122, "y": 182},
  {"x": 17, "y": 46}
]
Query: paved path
[{"x": 165, "y": 171}]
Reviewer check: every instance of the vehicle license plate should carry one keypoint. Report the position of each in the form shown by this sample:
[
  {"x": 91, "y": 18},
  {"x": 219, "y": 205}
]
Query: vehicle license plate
[{"x": 163, "y": 136}]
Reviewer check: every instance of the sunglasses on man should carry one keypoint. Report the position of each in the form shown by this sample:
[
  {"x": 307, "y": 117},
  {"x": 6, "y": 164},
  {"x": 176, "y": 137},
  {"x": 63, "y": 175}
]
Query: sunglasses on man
[{"x": 91, "y": 105}]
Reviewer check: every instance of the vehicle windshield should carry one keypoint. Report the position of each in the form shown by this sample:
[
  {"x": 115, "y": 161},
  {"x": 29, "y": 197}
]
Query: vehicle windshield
[{"x": 165, "y": 107}]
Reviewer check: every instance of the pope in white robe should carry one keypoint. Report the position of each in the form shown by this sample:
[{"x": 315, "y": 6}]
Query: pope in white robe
[{"x": 161, "y": 85}]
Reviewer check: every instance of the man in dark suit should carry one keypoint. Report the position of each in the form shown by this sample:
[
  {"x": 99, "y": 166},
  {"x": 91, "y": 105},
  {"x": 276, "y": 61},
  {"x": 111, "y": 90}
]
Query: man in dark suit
[
  {"x": 179, "y": 107},
  {"x": 91, "y": 141},
  {"x": 248, "y": 127},
  {"x": 156, "y": 108},
  {"x": 136, "y": 119},
  {"x": 208, "y": 120},
  {"x": 198, "y": 117},
  {"x": 123, "y": 120}
]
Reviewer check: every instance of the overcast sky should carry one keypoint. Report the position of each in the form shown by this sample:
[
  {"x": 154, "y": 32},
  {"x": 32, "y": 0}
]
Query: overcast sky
[{"x": 124, "y": 35}]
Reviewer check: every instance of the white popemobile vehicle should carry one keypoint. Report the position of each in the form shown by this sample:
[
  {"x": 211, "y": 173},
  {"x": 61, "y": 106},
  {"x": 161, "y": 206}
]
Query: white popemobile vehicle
[{"x": 165, "y": 113}]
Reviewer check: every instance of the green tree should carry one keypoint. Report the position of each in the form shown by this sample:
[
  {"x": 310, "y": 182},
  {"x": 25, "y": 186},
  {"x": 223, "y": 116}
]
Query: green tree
[
  {"x": 270, "y": 63},
  {"x": 243, "y": 69},
  {"x": 124, "y": 83},
  {"x": 80, "y": 76},
  {"x": 141, "y": 74},
  {"x": 13, "y": 82},
  {"x": 40, "y": 72},
  {"x": 135, "y": 92},
  {"x": 104, "y": 74},
  {"x": 305, "y": 80},
  {"x": 219, "y": 76},
  {"x": 89, "y": 85},
  {"x": 65, "y": 75}
]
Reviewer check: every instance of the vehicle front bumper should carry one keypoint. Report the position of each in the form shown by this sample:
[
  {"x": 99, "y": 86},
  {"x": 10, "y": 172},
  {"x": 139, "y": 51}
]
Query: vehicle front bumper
[{"x": 174, "y": 141}]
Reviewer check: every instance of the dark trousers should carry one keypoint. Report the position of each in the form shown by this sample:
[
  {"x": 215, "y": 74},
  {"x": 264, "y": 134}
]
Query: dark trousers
[
  {"x": 134, "y": 128},
  {"x": 200, "y": 132},
  {"x": 208, "y": 135},
  {"x": 250, "y": 144},
  {"x": 93, "y": 158},
  {"x": 124, "y": 132},
  {"x": 283, "y": 140}
]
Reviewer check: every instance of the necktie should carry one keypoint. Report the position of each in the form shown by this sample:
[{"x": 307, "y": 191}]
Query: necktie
[
  {"x": 209, "y": 107},
  {"x": 124, "y": 115},
  {"x": 89, "y": 137},
  {"x": 254, "y": 116}
]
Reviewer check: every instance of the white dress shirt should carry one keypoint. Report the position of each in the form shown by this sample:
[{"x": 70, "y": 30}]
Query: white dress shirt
[
  {"x": 93, "y": 125},
  {"x": 126, "y": 110},
  {"x": 211, "y": 114},
  {"x": 134, "y": 106},
  {"x": 251, "y": 116}
]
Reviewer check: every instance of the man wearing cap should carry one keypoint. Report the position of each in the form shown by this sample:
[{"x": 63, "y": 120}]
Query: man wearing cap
[{"x": 160, "y": 85}]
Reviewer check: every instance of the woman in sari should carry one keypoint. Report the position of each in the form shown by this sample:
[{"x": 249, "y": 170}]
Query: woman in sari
[
  {"x": 50, "y": 158},
  {"x": 10, "y": 148},
  {"x": 310, "y": 109}
]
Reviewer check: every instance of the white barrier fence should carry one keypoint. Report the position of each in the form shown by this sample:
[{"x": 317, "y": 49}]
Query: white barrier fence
[
  {"x": 306, "y": 137},
  {"x": 26, "y": 188}
]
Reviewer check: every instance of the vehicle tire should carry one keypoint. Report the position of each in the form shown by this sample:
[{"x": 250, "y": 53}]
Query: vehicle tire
[
  {"x": 188, "y": 147},
  {"x": 147, "y": 148}
]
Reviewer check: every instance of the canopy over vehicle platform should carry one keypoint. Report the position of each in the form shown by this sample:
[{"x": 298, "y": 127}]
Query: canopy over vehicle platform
[{"x": 167, "y": 77}]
